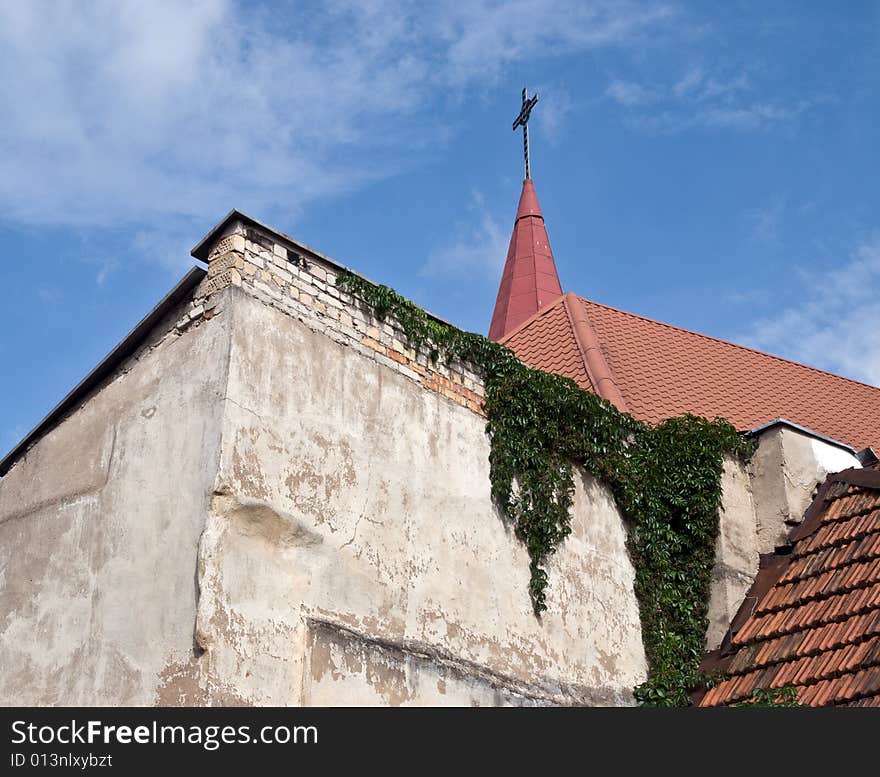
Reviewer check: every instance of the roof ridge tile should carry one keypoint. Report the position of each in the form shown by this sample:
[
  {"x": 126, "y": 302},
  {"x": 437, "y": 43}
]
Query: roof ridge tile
[{"x": 595, "y": 363}]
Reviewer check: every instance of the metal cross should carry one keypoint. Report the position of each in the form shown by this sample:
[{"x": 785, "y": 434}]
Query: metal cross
[{"x": 523, "y": 121}]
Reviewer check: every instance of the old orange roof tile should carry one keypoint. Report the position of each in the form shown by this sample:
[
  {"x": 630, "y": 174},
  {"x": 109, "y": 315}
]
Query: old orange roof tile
[{"x": 818, "y": 627}]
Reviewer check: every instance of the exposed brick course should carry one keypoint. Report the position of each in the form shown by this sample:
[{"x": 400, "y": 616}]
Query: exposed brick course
[{"x": 304, "y": 287}]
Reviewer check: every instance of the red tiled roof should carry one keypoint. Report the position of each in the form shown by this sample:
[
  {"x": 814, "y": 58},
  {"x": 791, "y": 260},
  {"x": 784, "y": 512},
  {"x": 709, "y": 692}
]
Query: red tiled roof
[
  {"x": 552, "y": 346},
  {"x": 529, "y": 281},
  {"x": 817, "y": 628},
  {"x": 656, "y": 371}
]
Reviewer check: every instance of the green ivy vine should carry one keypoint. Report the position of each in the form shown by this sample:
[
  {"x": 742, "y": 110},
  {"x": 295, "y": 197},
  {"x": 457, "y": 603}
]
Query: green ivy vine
[
  {"x": 772, "y": 697},
  {"x": 665, "y": 478}
]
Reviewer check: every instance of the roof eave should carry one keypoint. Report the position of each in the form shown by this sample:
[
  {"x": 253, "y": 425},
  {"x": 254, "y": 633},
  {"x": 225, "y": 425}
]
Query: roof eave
[
  {"x": 803, "y": 430},
  {"x": 106, "y": 366}
]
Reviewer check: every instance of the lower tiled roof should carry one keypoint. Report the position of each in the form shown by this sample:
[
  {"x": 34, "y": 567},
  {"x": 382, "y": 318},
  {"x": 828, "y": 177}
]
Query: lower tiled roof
[{"x": 817, "y": 627}]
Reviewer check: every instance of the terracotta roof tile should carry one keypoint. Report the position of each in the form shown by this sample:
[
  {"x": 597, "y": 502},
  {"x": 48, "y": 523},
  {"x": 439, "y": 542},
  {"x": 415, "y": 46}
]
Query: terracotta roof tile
[
  {"x": 663, "y": 371},
  {"x": 554, "y": 348},
  {"x": 864, "y": 548},
  {"x": 818, "y": 627}
]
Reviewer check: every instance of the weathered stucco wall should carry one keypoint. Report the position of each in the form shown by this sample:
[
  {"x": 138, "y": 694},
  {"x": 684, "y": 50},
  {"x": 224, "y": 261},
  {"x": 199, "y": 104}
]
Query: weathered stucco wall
[
  {"x": 279, "y": 501},
  {"x": 786, "y": 468},
  {"x": 736, "y": 551},
  {"x": 353, "y": 554},
  {"x": 99, "y": 529},
  {"x": 760, "y": 505},
  {"x": 259, "y": 514}
]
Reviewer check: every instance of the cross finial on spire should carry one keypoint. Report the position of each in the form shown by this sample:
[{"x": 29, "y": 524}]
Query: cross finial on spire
[{"x": 523, "y": 121}]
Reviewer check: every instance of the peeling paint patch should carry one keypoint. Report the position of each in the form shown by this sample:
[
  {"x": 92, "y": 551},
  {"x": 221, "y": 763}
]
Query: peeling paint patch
[
  {"x": 247, "y": 472},
  {"x": 180, "y": 685}
]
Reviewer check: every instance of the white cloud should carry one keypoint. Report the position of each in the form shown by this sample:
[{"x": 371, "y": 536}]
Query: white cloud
[
  {"x": 698, "y": 99},
  {"x": 136, "y": 110},
  {"x": 106, "y": 268},
  {"x": 696, "y": 85},
  {"x": 765, "y": 222},
  {"x": 167, "y": 247},
  {"x": 49, "y": 295},
  {"x": 485, "y": 36},
  {"x": 480, "y": 245},
  {"x": 152, "y": 109},
  {"x": 747, "y": 297},
  {"x": 831, "y": 323},
  {"x": 556, "y": 105},
  {"x": 688, "y": 83},
  {"x": 751, "y": 115},
  {"x": 630, "y": 93}
]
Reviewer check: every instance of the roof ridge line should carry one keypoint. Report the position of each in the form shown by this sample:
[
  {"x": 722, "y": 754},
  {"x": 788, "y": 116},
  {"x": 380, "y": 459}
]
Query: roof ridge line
[
  {"x": 728, "y": 342},
  {"x": 595, "y": 363},
  {"x": 814, "y": 517}
]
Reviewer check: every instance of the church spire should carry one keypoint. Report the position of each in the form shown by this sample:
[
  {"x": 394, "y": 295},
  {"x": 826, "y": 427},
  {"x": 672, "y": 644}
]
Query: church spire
[{"x": 529, "y": 281}]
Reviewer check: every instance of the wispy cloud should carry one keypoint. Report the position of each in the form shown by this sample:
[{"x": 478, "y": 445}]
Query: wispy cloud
[
  {"x": 832, "y": 321},
  {"x": 747, "y": 297},
  {"x": 167, "y": 245},
  {"x": 630, "y": 93},
  {"x": 697, "y": 85},
  {"x": 136, "y": 112},
  {"x": 753, "y": 115},
  {"x": 479, "y": 246},
  {"x": 106, "y": 269},
  {"x": 48, "y": 295},
  {"x": 701, "y": 99},
  {"x": 481, "y": 38},
  {"x": 765, "y": 222},
  {"x": 556, "y": 107}
]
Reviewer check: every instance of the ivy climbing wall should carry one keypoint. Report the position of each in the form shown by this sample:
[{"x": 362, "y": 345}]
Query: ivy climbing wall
[
  {"x": 353, "y": 553},
  {"x": 369, "y": 507},
  {"x": 533, "y": 418}
]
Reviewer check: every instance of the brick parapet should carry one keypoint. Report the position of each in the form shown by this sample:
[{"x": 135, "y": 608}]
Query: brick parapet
[{"x": 303, "y": 285}]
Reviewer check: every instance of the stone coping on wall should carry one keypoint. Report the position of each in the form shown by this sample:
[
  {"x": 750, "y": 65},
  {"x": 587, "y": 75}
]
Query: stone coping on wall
[{"x": 303, "y": 285}]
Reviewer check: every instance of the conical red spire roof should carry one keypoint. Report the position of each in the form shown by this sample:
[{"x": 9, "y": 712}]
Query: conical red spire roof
[{"x": 529, "y": 281}]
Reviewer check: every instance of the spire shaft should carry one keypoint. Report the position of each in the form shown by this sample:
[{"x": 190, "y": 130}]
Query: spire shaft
[{"x": 529, "y": 281}]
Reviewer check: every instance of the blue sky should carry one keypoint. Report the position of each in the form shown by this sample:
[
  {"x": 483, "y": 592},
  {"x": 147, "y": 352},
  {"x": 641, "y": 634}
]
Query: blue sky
[{"x": 710, "y": 165}]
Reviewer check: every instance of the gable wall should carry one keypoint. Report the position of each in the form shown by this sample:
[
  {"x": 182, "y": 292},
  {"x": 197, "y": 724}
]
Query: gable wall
[{"x": 100, "y": 523}]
